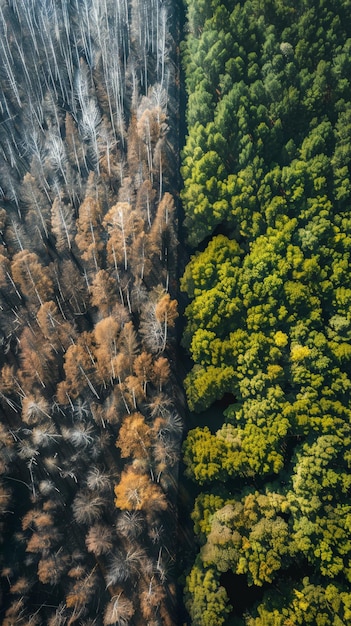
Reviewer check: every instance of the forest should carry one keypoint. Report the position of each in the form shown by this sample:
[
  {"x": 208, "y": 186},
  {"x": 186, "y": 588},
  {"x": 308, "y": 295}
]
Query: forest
[
  {"x": 91, "y": 425},
  {"x": 266, "y": 196}
]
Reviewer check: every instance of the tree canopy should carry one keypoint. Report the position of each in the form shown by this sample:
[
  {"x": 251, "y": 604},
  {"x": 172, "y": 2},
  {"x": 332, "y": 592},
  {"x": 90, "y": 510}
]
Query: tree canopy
[{"x": 266, "y": 164}]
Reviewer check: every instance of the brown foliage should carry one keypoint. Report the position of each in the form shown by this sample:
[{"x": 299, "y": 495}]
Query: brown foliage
[
  {"x": 106, "y": 334},
  {"x": 166, "y": 310},
  {"x": 21, "y": 586},
  {"x": 123, "y": 225},
  {"x": 88, "y": 238},
  {"x": 103, "y": 293},
  {"x": 118, "y": 611},
  {"x": 121, "y": 366},
  {"x": 145, "y": 201},
  {"x": 137, "y": 492},
  {"x": 81, "y": 592},
  {"x": 37, "y": 360},
  {"x": 16, "y": 615},
  {"x": 141, "y": 265},
  {"x": 150, "y": 125},
  {"x": 161, "y": 372},
  {"x": 135, "y": 390},
  {"x": 42, "y": 520},
  {"x": 156, "y": 317},
  {"x": 6, "y": 438},
  {"x": 99, "y": 539},
  {"x": 151, "y": 598},
  {"x": 51, "y": 568},
  {"x": 77, "y": 571},
  {"x": 72, "y": 286},
  {"x": 78, "y": 368},
  {"x": 134, "y": 153},
  {"x": 159, "y": 404},
  {"x": 4, "y": 270},
  {"x": 162, "y": 235},
  {"x": 31, "y": 277},
  {"x": 142, "y": 367},
  {"x": 134, "y": 437},
  {"x": 112, "y": 408},
  {"x": 5, "y": 496},
  {"x": 40, "y": 542},
  {"x": 54, "y": 328},
  {"x": 128, "y": 342}
]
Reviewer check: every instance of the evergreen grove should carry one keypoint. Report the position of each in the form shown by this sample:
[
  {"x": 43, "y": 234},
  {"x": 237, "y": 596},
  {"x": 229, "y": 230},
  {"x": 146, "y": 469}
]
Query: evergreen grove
[{"x": 266, "y": 171}]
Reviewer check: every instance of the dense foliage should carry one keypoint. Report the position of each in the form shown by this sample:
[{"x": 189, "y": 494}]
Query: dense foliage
[
  {"x": 266, "y": 170},
  {"x": 90, "y": 430}
]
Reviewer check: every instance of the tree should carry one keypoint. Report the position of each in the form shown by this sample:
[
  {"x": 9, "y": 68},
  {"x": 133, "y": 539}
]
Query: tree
[
  {"x": 103, "y": 294},
  {"x": 150, "y": 599},
  {"x": 142, "y": 367},
  {"x": 35, "y": 409},
  {"x": 136, "y": 491},
  {"x": 99, "y": 539},
  {"x": 62, "y": 224},
  {"x": 135, "y": 436},
  {"x": 107, "y": 143},
  {"x": 55, "y": 329},
  {"x": 91, "y": 119},
  {"x": 118, "y": 611},
  {"x": 88, "y": 238},
  {"x": 52, "y": 568},
  {"x": 75, "y": 148},
  {"x": 130, "y": 523},
  {"x": 205, "y": 385},
  {"x": 80, "y": 593},
  {"x": 78, "y": 366},
  {"x": 106, "y": 335},
  {"x": 162, "y": 234},
  {"x": 37, "y": 203},
  {"x": 31, "y": 277},
  {"x": 122, "y": 225},
  {"x": 250, "y": 537},
  {"x": 161, "y": 372},
  {"x": 214, "y": 264},
  {"x": 321, "y": 515},
  {"x": 206, "y": 600},
  {"x": 128, "y": 343},
  {"x": 87, "y": 508},
  {"x": 73, "y": 367},
  {"x": 206, "y": 504},
  {"x": 305, "y": 603},
  {"x": 38, "y": 361},
  {"x": 72, "y": 287},
  {"x": 159, "y": 315},
  {"x": 144, "y": 204}
]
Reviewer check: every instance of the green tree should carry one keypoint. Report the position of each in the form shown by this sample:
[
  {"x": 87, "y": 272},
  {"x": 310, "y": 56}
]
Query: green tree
[
  {"x": 250, "y": 537},
  {"x": 205, "y": 599},
  {"x": 203, "y": 455}
]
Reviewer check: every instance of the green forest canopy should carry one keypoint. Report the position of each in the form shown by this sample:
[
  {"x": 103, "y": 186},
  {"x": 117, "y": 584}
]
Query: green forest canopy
[{"x": 266, "y": 170}]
